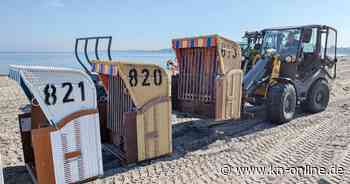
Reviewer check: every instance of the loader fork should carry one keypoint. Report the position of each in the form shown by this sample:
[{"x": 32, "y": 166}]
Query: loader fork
[{"x": 96, "y": 49}]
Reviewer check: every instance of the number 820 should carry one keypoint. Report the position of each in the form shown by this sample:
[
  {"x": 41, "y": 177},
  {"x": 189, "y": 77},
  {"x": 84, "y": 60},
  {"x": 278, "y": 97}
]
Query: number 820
[{"x": 133, "y": 77}]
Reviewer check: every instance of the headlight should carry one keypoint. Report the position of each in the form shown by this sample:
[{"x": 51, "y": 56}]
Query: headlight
[
  {"x": 243, "y": 58},
  {"x": 288, "y": 59},
  {"x": 270, "y": 52}
]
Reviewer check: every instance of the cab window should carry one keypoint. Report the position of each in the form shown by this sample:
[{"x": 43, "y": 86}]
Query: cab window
[
  {"x": 331, "y": 45},
  {"x": 310, "y": 47},
  {"x": 323, "y": 44}
]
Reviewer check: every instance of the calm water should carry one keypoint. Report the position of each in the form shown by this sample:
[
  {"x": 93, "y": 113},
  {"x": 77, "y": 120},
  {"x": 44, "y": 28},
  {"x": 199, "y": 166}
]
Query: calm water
[{"x": 67, "y": 59}]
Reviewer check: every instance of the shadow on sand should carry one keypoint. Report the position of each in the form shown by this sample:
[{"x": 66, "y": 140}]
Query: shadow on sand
[
  {"x": 191, "y": 136},
  {"x": 16, "y": 174},
  {"x": 188, "y": 137}
]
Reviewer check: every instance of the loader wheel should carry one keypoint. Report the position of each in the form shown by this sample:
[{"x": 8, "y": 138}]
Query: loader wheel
[
  {"x": 281, "y": 103},
  {"x": 318, "y": 97}
]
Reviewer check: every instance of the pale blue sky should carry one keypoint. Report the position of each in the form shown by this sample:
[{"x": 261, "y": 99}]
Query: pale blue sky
[{"x": 52, "y": 25}]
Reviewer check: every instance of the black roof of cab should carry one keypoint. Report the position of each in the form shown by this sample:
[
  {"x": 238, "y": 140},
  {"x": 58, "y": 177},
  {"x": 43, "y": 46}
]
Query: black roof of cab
[{"x": 298, "y": 27}]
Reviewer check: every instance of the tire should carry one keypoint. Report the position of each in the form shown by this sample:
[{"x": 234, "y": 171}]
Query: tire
[
  {"x": 281, "y": 103},
  {"x": 318, "y": 97}
]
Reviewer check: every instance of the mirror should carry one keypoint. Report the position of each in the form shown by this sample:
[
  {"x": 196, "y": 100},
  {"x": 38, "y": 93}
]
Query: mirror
[{"x": 307, "y": 35}]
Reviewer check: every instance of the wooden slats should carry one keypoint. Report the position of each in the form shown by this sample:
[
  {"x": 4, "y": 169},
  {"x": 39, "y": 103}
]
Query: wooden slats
[
  {"x": 187, "y": 73},
  {"x": 198, "y": 68},
  {"x": 154, "y": 131},
  {"x": 181, "y": 75},
  {"x": 201, "y": 75},
  {"x": 119, "y": 103},
  {"x": 214, "y": 73},
  {"x": 229, "y": 94},
  {"x": 210, "y": 64},
  {"x": 202, "y": 79}
]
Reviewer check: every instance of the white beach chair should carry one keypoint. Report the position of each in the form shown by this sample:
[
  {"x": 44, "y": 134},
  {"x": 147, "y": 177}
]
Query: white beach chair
[{"x": 67, "y": 149}]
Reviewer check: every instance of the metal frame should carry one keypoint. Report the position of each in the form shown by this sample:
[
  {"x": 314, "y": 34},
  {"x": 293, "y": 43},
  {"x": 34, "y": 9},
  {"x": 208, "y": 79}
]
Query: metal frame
[
  {"x": 327, "y": 30},
  {"x": 336, "y": 41},
  {"x": 97, "y": 42},
  {"x": 254, "y": 37},
  {"x": 297, "y": 27}
]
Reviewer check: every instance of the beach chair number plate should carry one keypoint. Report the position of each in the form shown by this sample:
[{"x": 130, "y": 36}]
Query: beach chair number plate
[
  {"x": 51, "y": 96},
  {"x": 146, "y": 81}
]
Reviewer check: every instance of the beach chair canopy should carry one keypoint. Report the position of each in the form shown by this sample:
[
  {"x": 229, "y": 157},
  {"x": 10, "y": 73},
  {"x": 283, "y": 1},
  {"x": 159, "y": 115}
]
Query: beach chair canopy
[
  {"x": 59, "y": 91},
  {"x": 227, "y": 53},
  {"x": 144, "y": 82}
]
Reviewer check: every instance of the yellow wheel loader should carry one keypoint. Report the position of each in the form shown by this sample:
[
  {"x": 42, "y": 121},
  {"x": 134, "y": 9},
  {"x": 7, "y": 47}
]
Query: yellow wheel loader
[{"x": 295, "y": 68}]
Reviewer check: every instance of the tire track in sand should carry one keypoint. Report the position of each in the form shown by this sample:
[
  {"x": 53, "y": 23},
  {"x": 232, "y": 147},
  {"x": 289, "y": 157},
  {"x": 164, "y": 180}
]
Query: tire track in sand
[{"x": 203, "y": 165}]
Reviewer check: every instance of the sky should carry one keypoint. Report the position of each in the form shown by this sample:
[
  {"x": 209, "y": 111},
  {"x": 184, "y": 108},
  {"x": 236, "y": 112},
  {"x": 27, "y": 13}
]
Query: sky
[{"x": 52, "y": 25}]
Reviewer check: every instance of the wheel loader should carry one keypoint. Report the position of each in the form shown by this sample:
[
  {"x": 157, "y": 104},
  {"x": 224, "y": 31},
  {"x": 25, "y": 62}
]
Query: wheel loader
[{"x": 295, "y": 69}]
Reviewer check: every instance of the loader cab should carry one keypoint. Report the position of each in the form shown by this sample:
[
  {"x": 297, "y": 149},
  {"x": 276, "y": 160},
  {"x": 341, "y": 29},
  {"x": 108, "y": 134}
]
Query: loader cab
[
  {"x": 284, "y": 42},
  {"x": 302, "y": 49}
]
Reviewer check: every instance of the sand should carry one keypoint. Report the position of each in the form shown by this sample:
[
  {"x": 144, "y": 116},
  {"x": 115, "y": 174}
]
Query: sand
[{"x": 201, "y": 152}]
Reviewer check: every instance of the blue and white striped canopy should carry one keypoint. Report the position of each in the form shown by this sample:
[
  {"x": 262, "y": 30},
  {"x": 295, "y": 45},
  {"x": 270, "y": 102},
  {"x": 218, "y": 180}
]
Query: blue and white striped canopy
[{"x": 15, "y": 74}]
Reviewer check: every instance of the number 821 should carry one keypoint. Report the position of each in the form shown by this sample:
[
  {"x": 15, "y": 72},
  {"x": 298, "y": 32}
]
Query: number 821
[{"x": 51, "y": 94}]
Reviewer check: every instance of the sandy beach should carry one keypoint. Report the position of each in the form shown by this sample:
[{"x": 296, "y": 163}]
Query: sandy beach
[{"x": 201, "y": 151}]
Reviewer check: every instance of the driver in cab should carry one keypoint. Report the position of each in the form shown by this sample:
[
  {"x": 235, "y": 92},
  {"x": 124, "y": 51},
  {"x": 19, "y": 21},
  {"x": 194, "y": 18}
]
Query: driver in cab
[{"x": 291, "y": 46}]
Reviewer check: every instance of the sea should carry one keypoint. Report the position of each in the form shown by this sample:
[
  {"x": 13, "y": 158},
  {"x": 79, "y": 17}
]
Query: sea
[{"x": 68, "y": 60}]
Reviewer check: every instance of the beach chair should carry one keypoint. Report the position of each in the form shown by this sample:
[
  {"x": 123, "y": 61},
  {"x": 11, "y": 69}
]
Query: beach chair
[
  {"x": 138, "y": 110},
  {"x": 60, "y": 128},
  {"x": 135, "y": 107},
  {"x": 209, "y": 82}
]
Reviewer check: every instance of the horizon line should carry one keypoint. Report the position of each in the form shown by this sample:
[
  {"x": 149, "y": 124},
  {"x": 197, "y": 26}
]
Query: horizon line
[{"x": 115, "y": 50}]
